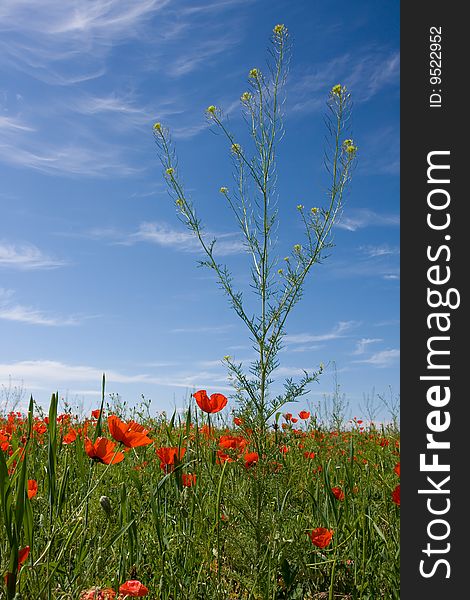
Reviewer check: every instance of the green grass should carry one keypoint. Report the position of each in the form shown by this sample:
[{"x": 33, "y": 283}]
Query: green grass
[{"x": 237, "y": 533}]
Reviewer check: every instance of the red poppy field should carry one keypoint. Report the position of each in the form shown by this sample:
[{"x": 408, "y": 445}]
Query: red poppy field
[{"x": 114, "y": 506}]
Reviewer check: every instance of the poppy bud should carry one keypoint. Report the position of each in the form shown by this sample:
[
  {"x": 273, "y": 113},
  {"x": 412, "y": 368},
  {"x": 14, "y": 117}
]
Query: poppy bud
[{"x": 105, "y": 503}]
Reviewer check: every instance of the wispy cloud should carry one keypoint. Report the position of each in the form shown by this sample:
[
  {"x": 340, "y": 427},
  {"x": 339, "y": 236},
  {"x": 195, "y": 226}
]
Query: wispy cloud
[
  {"x": 50, "y": 374},
  {"x": 204, "y": 329},
  {"x": 206, "y": 50},
  {"x": 163, "y": 235},
  {"x": 382, "y": 250},
  {"x": 13, "y": 124},
  {"x": 66, "y": 42},
  {"x": 363, "y": 217},
  {"x": 299, "y": 349},
  {"x": 366, "y": 72},
  {"x": 337, "y": 332},
  {"x": 361, "y": 345},
  {"x": 384, "y": 358},
  {"x": 26, "y": 257},
  {"x": 32, "y": 148},
  {"x": 10, "y": 311}
]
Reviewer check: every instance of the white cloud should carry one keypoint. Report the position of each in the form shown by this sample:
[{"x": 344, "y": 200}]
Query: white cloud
[
  {"x": 9, "y": 311},
  {"x": 66, "y": 42},
  {"x": 163, "y": 235},
  {"x": 382, "y": 250},
  {"x": 203, "y": 329},
  {"x": 362, "y": 344},
  {"x": 363, "y": 217},
  {"x": 384, "y": 358},
  {"x": 365, "y": 73},
  {"x": 13, "y": 124},
  {"x": 51, "y": 374},
  {"x": 337, "y": 332},
  {"x": 26, "y": 257}
]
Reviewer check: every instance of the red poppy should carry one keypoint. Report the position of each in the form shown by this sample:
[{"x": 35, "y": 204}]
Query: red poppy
[
  {"x": 133, "y": 426},
  {"x": 223, "y": 457},
  {"x": 238, "y": 421},
  {"x": 126, "y": 433},
  {"x": 233, "y": 442},
  {"x": 133, "y": 588},
  {"x": 304, "y": 414},
  {"x": 40, "y": 428},
  {"x": 396, "y": 495},
  {"x": 321, "y": 537},
  {"x": 188, "y": 479},
  {"x": 96, "y": 413},
  {"x": 210, "y": 405},
  {"x": 206, "y": 432},
  {"x": 284, "y": 449},
  {"x": 251, "y": 458},
  {"x": 22, "y": 556},
  {"x": 338, "y": 493},
  {"x": 32, "y": 488},
  {"x": 309, "y": 454},
  {"x": 287, "y": 416},
  {"x": 70, "y": 436},
  {"x": 103, "y": 451},
  {"x": 169, "y": 457},
  {"x": 397, "y": 469}
]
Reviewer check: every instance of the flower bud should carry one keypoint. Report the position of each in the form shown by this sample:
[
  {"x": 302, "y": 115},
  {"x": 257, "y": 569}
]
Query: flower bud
[{"x": 105, "y": 503}]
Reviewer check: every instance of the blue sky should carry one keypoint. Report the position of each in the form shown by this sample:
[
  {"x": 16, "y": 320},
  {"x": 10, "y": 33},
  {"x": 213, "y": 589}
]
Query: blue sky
[{"x": 96, "y": 272}]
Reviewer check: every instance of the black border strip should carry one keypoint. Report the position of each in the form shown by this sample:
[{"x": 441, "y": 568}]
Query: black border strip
[{"x": 434, "y": 120}]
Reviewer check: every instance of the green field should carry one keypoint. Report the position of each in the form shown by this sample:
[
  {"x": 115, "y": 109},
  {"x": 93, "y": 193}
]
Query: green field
[{"x": 202, "y": 509}]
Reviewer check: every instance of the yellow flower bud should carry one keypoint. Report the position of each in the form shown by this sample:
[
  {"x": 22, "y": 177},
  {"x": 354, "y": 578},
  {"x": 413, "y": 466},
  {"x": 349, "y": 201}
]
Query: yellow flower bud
[
  {"x": 254, "y": 74},
  {"x": 170, "y": 171},
  {"x": 157, "y": 126},
  {"x": 337, "y": 89},
  {"x": 236, "y": 148},
  {"x": 223, "y": 190},
  {"x": 314, "y": 210},
  {"x": 211, "y": 109},
  {"x": 245, "y": 97},
  {"x": 300, "y": 206},
  {"x": 297, "y": 248},
  {"x": 279, "y": 29}
]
